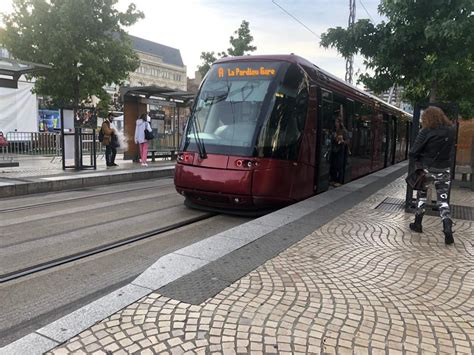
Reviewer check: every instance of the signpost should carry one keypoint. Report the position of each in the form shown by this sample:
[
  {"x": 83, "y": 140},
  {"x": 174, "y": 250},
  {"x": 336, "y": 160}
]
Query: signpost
[{"x": 78, "y": 136}]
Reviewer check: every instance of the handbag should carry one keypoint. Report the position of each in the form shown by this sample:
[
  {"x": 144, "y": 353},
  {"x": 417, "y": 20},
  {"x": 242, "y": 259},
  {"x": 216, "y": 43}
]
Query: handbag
[
  {"x": 101, "y": 135},
  {"x": 148, "y": 135},
  {"x": 3, "y": 141},
  {"x": 417, "y": 179}
]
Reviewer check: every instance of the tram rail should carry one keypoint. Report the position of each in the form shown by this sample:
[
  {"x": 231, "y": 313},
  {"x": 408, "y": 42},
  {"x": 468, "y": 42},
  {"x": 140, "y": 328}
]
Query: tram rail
[
  {"x": 31, "y": 270},
  {"x": 52, "y": 203}
]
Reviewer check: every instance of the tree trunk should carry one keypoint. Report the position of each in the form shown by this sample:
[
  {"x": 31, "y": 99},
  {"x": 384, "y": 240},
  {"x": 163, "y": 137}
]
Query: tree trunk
[{"x": 433, "y": 91}]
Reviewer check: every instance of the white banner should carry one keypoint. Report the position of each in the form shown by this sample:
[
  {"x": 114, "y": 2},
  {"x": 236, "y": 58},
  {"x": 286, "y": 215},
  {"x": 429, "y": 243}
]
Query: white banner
[{"x": 18, "y": 109}]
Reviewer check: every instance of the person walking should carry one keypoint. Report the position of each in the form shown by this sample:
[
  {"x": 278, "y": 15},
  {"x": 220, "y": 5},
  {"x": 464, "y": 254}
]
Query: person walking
[
  {"x": 142, "y": 125},
  {"x": 433, "y": 151},
  {"x": 110, "y": 140}
]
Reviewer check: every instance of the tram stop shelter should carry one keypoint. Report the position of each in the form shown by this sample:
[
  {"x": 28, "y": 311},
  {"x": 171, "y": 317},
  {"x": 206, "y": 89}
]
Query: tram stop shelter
[
  {"x": 168, "y": 111},
  {"x": 11, "y": 71}
]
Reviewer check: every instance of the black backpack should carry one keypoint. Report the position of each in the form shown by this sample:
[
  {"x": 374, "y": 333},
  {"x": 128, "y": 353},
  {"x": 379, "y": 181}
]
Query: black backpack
[{"x": 101, "y": 135}]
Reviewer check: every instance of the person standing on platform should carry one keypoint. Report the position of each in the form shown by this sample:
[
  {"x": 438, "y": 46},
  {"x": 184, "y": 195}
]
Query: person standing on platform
[
  {"x": 142, "y": 125},
  {"x": 433, "y": 151},
  {"x": 338, "y": 154},
  {"x": 110, "y": 141}
]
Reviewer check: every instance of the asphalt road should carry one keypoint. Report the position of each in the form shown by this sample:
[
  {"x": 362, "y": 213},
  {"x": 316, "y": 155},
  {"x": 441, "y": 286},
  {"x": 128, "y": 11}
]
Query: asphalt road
[{"x": 40, "y": 228}]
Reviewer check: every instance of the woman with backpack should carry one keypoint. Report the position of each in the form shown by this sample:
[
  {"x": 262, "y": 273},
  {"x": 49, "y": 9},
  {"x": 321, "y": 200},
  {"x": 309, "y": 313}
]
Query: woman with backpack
[{"x": 143, "y": 133}]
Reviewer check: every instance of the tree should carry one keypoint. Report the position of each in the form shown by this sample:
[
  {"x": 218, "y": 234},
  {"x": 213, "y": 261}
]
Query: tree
[
  {"x": 208, "y": 58},
  {"x": 240, "y": 45},
  {"x": 82, "y": 40},
  {"x": 426, "y": 46}
]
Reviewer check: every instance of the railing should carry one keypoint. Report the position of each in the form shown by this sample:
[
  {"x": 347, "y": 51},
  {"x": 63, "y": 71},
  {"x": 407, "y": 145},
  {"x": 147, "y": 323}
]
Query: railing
[
  {"x": 166, "y": 142},
  {"x": 34, "y": 143}
]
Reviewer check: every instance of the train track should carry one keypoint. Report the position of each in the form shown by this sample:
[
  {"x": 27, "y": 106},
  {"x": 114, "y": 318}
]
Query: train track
[
  {"x": 52, "y": 203},
  {"x": 99, "y": 249}
]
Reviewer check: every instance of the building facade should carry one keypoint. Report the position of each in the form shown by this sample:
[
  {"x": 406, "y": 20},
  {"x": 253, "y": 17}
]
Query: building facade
[{"x": 159, "y": 65}]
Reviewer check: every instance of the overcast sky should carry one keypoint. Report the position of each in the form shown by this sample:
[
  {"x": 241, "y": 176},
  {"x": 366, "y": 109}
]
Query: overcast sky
[{"x": 194, "y": 26}]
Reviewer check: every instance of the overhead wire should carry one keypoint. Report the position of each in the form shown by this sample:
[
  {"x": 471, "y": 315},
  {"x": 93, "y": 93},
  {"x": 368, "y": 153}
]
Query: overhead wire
[
  {"x": 296, "y": 19},
  {"x": 367, "y": 12}
]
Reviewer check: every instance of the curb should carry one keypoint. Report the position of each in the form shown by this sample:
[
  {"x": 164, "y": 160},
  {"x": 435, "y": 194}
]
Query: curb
[
  {"x": 69, "y": 182},
  {"x": 186, "y": 260}
]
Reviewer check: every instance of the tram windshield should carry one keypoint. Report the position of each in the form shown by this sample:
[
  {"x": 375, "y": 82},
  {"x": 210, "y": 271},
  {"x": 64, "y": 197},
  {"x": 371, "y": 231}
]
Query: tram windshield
[{"x": 229, "y": 106}]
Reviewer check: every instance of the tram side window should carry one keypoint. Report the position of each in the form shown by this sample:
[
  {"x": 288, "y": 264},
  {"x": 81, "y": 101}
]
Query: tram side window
[
  {"x": 362, "y": 137},
  {"x": 281, "y": 134},
  {"x": 401, "y": 139}
]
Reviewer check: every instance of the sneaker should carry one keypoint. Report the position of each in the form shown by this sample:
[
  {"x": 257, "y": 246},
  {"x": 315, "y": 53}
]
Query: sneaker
[{"x": 113, "y": 164}]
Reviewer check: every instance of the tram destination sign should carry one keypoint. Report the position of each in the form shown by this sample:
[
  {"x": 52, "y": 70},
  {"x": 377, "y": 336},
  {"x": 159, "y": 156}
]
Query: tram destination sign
[{"x": 245, "y": 72}]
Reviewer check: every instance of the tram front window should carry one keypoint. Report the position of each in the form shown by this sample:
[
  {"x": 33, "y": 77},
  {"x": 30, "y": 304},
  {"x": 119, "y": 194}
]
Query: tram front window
[{"x": 228, "y": 107}]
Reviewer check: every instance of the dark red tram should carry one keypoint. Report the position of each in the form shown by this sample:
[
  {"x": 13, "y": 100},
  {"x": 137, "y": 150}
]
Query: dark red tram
[{"x": 262, "y": 134}]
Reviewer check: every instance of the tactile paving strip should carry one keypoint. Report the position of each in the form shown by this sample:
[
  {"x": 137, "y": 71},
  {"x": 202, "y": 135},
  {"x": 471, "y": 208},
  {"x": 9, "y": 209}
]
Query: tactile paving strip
[
  {"x": 211, "y": 279},
  {"x": 391, "y": 204}
]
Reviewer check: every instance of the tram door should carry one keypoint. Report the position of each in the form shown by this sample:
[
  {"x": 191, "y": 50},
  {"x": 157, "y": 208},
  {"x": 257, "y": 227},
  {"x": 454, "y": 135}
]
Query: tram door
[{"x": 323, "y": 146}]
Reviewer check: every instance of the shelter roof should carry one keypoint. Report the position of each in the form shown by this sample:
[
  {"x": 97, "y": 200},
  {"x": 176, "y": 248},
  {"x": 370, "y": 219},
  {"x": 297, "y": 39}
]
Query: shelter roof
[
  {"x": 11, "y": 70},
  {"x": 158, "y": 92}
]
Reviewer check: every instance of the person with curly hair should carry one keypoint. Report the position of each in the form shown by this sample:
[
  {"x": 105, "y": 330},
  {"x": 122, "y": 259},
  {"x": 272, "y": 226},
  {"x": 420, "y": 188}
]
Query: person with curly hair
[{"x": 433, "y": 151}]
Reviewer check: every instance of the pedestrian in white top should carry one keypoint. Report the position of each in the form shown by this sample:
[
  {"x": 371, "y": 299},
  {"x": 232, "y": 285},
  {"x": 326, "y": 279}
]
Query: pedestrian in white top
[{"x": 142, "y": 124}]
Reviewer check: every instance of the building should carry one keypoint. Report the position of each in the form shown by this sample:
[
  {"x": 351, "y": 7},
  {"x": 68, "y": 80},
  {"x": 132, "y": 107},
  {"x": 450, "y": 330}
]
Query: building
[
  {"x": 160, "y": 65},
  {"x": 394, "y": 96}
]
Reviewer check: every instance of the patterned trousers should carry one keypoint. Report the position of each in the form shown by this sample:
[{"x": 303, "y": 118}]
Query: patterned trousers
[{"x": 441, "y": 179}]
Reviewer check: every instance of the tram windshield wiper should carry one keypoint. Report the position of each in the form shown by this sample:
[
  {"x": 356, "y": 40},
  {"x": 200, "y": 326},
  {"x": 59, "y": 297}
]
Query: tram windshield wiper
[
  {"x": 199, "y": 141},
  {"x": 216, "y": 98}
]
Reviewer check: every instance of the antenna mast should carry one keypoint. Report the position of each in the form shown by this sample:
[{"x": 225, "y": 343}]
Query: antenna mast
[{"x": 350, "y": 60}]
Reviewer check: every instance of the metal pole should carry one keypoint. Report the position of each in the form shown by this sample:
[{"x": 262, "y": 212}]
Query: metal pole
[
  {"x": 63, "y": 150},
  {"x": 415, "y": 127}
]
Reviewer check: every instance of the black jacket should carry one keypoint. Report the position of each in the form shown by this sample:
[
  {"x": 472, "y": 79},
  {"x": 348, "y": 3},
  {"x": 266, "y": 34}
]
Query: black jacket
[{"x": 434, "y": 148}]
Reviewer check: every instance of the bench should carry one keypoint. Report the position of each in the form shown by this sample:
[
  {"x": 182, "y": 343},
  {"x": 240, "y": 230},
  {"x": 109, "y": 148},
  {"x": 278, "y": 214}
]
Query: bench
[
  {"x": 9, "y": 164},
  {"x": 467, "y": 178},
  {"x": 165, "y": 154}
]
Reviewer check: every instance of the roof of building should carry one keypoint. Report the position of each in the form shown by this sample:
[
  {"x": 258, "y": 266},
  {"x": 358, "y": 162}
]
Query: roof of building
[{"x": 170, "y": 55}]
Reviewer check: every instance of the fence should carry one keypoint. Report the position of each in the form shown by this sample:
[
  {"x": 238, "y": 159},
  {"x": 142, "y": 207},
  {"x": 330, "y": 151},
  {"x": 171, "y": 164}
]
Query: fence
[
  {"x": 33, "y": 143},
  {"x": 49, "y": 144}
]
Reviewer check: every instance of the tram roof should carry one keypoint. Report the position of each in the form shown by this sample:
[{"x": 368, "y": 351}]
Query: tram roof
[{"x": 321, "y": 73}]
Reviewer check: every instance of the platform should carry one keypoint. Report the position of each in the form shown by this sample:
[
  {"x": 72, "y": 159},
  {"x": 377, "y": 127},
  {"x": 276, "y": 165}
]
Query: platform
[
  {"x": 44, "y": 174},
  {"x": 331, "y": 274}
]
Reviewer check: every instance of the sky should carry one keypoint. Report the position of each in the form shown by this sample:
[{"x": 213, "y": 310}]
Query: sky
[{"x": 194, "y": 26}]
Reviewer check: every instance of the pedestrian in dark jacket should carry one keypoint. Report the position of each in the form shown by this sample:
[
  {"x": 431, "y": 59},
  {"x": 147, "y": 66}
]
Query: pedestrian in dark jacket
[
  {"x": 433, "y": 151},
  {"x": 110, "y": 141}
]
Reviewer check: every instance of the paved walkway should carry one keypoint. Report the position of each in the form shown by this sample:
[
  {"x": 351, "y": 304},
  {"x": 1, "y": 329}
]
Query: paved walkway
[
  {"x": 37, "y": 174},
  {"x": 362, "y": 283},
  {"x": 40, "y": 166}
]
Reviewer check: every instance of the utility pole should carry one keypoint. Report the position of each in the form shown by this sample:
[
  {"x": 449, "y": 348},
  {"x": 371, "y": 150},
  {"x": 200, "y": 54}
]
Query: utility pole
[{"x": 350, "y": 60}]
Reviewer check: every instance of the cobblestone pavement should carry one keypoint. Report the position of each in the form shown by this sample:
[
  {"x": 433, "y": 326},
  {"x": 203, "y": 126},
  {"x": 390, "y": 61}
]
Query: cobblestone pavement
[{"x": 363, "y": 283}]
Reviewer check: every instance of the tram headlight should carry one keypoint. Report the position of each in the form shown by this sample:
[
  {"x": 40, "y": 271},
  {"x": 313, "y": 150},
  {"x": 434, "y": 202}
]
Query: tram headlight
[
  {"x": 245, "y": 163},
  {"x": 185, "y": 158}
]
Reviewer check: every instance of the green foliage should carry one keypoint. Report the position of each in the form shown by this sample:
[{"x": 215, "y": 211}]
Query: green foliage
[
  {"x": 426, "y": 46},
  {"x": 103, "y": 107},
  {"x": 241, "y": 43},
  {"x": 208, "y": 58},
  {"x": 240, "y": 46},
  {"x": 82, "y": 40}
]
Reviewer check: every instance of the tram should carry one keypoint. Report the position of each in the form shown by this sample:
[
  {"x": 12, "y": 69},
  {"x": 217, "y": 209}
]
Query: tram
[{"x": 262, "y": 135}]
